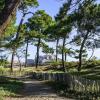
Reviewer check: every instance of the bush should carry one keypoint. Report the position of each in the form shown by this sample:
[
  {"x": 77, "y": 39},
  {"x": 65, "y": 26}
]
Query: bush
[
  {"x": 55, "y": 64},
  {"x": 3, "y": 70},
  {"x": 3, "y": 62},
  {"x": 71, "y": 64},
  {"x": 92, "y": 63}
]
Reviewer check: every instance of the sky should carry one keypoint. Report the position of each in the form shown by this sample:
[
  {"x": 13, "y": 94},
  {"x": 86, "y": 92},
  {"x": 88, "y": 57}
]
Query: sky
[{"x": 52, "y": 8}]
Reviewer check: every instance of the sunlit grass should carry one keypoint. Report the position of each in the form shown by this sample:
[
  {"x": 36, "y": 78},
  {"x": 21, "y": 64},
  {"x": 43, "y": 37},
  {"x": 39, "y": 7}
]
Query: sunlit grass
[
  {"x": 10, "y": 88},
  {"x": 91, "y": 73}
]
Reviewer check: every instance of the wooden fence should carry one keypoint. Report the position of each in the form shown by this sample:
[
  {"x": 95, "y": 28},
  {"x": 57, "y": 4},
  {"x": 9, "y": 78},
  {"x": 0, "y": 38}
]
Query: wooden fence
[
  {"x": 76, "y": 83},
  {"x": 52, "y": 76}
]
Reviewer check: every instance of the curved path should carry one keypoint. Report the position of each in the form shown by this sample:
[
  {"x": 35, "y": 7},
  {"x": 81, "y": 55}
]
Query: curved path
[{"x": 37, "y": 90}]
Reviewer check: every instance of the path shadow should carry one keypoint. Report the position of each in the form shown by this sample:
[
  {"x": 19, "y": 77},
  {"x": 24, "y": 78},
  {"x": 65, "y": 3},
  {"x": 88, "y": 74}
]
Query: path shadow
[{"x": 33, "y": 87}]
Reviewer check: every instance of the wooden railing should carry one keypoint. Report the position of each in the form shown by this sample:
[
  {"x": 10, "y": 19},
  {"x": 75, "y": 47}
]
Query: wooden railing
[{"x": 76, "y": 83}]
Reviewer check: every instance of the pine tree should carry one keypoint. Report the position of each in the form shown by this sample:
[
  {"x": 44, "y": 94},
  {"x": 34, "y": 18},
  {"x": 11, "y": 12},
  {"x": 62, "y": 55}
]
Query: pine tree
[
  {"x": 38, "y": 24},
  {"x": 87, "y": 18}
]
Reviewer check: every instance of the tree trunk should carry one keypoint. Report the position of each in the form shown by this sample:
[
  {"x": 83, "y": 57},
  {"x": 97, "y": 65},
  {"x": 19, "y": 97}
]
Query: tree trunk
[
  {"x": 63, "y": 61},
  {"x": 17, "y": 35},
  {"x": 37, "y": 54},
  {"x": 80, "y": 51},
  {"x": 20, "y": 24},
  {"x": 6, "y": 13},
  {"x": 57, "y": 49},
  {"x": 19, "y": 62},
  {"x": 26, "y": 53},
  {"x": 65, "y": 56},
  {"x": 12, "y": 60}
]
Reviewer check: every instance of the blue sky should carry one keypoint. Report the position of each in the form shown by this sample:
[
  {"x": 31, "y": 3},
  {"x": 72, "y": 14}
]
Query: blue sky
[{"x": 51, "y": 7}]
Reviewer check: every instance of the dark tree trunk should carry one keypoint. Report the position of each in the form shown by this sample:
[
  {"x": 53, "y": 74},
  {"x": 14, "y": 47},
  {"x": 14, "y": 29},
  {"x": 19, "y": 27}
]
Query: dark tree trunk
[
  {"x": 81, "y": 50},
  {"x": 6, "y": 13},
  {"x": 65, "y": 56},
  {"x": 20, "y": 24},
  {"x": 57, "y": 49},
  {"x": 19, "y": 62},
  {"x": 37, "y": 54},
  {"x": 12, "y": 60},
  {"x": 63, "y": 61},
  {"x": 17, "y": 35},
  {"x": 26, "y": 53}
]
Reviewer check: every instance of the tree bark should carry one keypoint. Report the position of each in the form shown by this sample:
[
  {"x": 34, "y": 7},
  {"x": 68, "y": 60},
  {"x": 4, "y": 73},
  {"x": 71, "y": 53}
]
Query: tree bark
[
  {"x": 57, "y": 49},
  {"x": 6, "y": 13},
  {"x": 19, "y": 62},
  {"x": 37, "y": 54},
  {"x": 63, "y": 61},
  {"x": 20, "y": 24},
  {"x": 65, "y": 56},
  {"x": 12, "y": 60},
  {"x": 26, "y": 53},
  {"x": 80, "y": 51}
]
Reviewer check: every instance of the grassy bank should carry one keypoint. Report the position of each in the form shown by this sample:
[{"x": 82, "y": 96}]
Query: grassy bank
[{"x": 10, "y": 87}]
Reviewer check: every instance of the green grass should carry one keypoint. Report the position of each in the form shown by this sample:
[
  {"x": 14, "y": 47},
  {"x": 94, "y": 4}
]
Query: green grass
[
  {"x": 16, "y": 71},
  {"x": 90, "y": 73},
  {"x": 27, "y": 70},
  {"x": 10, "y": 87}
]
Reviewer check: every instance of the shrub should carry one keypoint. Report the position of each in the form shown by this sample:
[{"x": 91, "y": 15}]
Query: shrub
[
  {"x": 71, "y": 64},
  {"x": 3, "y": 62},
  {"x": 92, "y": 63},
  {"x": 54, "y": 64}
]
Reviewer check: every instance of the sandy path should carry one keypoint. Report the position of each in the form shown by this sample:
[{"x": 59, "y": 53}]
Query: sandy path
[{"x": 37, "y": 90}]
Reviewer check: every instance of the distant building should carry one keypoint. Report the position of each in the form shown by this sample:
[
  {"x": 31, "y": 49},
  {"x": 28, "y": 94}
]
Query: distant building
[
  {"x": 46, "y": 59},
  {"x": 30, "y": 62}
]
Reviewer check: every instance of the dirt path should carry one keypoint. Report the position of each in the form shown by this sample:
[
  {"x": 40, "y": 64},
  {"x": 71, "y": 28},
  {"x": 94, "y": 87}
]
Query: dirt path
[{"x": 37, "y": 90}]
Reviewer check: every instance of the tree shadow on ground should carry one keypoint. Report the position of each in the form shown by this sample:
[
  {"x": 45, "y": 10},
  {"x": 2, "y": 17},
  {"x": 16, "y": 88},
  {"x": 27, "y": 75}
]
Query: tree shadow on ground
[{"x": 36, "y": 88}]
